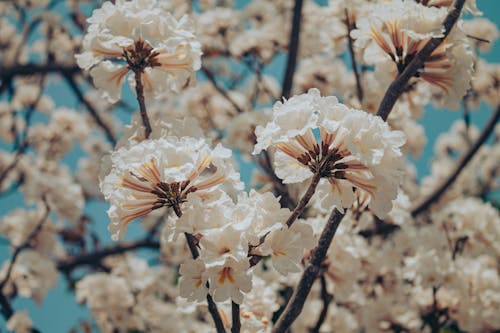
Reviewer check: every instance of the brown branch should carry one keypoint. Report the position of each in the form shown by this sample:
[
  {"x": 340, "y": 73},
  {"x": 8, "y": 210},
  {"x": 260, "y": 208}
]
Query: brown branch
[
  {"x": 313, "y": 269},
  {"x": 24, "y": 246},
  {"x": 8, "y": 72},
  {"x": 462, "y": 163},
  {"x": 304, "y": 200},
  {"x": 235, "y": 314},
  {"x": 211, "y": 77},
  {"x": 351, "y": 25},
  {"x": 398, "y": 85},
  {"x": 21, "y": 149},
  {"x": 282, "y": 190},
  {"x": 293, "y": 48},
  {"x": 95, "y": 258},
  {"x": 93, "y": 112},
  {"x": 326, "y": 298},
  {"x": 299, "y": 209},
  {"x": 212, "y": 307},
  {"x": 142, "y": 106}
]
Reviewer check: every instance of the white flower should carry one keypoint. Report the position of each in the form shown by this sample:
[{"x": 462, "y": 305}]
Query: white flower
[
  {"x": 104, "y": 291},
  {"x": 470, "y": 5},
  {"x": 229, "y": 280},
  {"x": 395, "y": 31},
  {"x": 287, "y": 246},
  {"x": 355, "y": 150},
  {"x": 19, "y": 224},
  {"x": 32, "y": 276},
  {"x": 20, "y": 322},
  {"x": 145, "y": 36},
  {"x": 162, "y": 173},
  {"x": 481, "y": 28},
  {"x": 191, "y": 284}
]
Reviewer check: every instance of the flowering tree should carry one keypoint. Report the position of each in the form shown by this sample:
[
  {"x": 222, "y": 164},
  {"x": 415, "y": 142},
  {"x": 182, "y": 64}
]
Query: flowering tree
[{"x": 332, "y": 234}]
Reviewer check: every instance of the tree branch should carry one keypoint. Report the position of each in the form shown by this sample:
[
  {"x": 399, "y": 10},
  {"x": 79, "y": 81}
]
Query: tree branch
[
  {"x": 93, "y": 112},
  {"x": 94, "y": 258},
  {"x": 398, "y": 85},
  {"x": 211, "y": 77},
  {"x": 142, "y": 106},
  {"x": 24, "y": 246},
  {"x": 6, "y": 309},
  {"x": 282, "y": 190},
  {"x": 326, "y": 298},
  {"x": 354, "y": 64},
  {"x": 8, "y": 72},
  {"x": 313, "y": 269},
  {"x": 235, "y": 314},
  {"x": 462, "y": 163},
  {"x": 293, "y": 48},
  {"x": 304, "y": 200},
  {"x": 212, "y": 307}
]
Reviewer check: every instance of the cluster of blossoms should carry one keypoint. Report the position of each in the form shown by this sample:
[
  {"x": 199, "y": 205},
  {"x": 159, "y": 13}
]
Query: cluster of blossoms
[
  {"x": 222, "y": 248},
  {"x": 138, "y": 36},
  {"x": 357, "y": 156}
]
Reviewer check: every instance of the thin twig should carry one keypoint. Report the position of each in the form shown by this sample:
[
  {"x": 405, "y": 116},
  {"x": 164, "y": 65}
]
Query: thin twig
[
  {"x": 304, "y": 200},
  {"x": 235, "y": 314},
  {"x": 212, "y": 307},
  {"x": 293, "y": 48},
  {"x": 24, "y": 246},
  {"x": 8, "y": 72},
  {"x": 282, "y": 190},
  {"x": 142, "y": 106},
  {"x": 299, "y": 209},
  {"x": 354, "y": 64},
  {"x": 211, "y": 77},
  {"x": 21, "y": 149},
  {"x": 462, "y": 163},
  {"x": 94, "y": 258},
  {"x": 398, "y": 85},
  {"x": 313, "y": 269},
  {"x": 326, "y": 298},
  {"x": 93, "y": 112}
]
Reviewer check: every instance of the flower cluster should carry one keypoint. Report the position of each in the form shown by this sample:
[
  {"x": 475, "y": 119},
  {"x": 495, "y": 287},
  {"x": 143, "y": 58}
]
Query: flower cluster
[
  {"x": 356, "y": 153},
  {"x": 394, "y": 32},
  {"x": 138, "y": 36},
  {"x": 164, "y": 172}
]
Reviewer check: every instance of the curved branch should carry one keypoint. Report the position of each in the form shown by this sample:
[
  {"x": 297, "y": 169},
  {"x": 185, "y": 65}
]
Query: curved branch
[
  {"x": 313, "y": 269},
  {"x": 293, "y": 48},
  {"x": 326, "y": 299},
  {"x": 142, "y": 105},
  {"x": 462, "y": 163},
  {"x": 8, "y": 72},
  {"x": 93, "y": 112},
  {"x": 354, "y": 64},
  {"x": 24, "y": 246},
  {"x": 398, "y": 85},
  {"x": 305, "y": 199},
  {"x": 211, "y": 77},
  {"x": 96, "y": 257}
]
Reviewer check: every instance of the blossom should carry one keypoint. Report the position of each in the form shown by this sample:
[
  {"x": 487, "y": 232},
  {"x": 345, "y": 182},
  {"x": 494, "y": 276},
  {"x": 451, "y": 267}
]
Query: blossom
[
  {"x": 20, "y": 322},
  {"x": 191, "y": 284},
  {"x": 394, "y": 32},
  {"x": 32, "y": 276},
  {"x": 148, "y": 39},
  {"x": 162, "y": 173},
  {"x": 229, "y": 280},
  {"x": 286, "y": 247},
  {"x": 356, "y": 150},
  {"x": 101, "y": 291}
]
